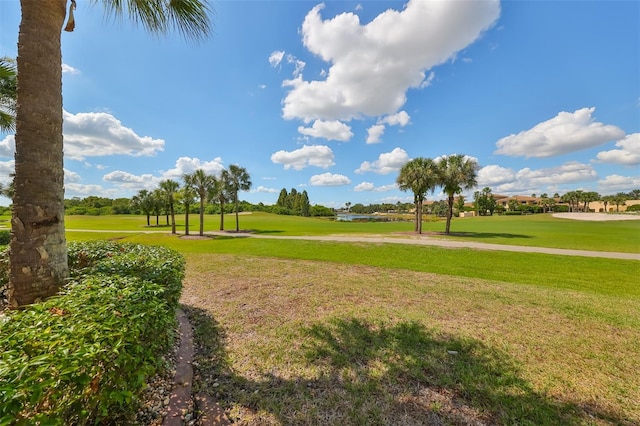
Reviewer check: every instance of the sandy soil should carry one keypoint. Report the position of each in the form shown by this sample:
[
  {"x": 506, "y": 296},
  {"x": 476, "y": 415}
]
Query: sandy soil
[{"x": 596, "y": 216}]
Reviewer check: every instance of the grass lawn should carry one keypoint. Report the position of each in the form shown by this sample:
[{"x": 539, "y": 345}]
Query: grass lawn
[
  {"x": 327, "y": 333},
  {"x": 301, "y": 332},
  {"x": 541, "y": 230}
]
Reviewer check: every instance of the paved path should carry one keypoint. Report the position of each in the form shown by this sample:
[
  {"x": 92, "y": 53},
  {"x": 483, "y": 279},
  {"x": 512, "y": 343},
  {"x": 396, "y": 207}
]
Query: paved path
[{"x": 414, "y": 239}]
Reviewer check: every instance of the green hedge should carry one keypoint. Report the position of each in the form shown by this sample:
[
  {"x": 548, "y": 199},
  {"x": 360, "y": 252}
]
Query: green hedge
[{"x": 84, "y": 356}]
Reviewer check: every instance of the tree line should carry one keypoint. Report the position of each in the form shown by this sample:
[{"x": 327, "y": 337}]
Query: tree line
[{"x": 197, "y": 189}]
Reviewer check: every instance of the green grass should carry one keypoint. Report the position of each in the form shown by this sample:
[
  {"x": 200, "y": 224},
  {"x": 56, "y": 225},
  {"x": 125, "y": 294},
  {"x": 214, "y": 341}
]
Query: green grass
[
  {"x": 540, "y": 230},
  {"x": 309, "y": 332},
  {"x": 594, "y": 275},
  {"x": 317, "y": 342}
]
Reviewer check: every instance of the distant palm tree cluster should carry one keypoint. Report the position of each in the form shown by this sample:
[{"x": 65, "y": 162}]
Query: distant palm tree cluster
[
  {"x": 453, "y": 173},
  {"x": 196, "y": 187}
]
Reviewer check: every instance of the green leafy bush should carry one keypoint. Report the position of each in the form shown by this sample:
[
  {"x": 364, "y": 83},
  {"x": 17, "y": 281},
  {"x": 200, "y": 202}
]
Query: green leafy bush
[
  {"x": 633, "y": 208},
  {"x": 5, "y": 237},
  {"x": 83, "y": 357},
  {"x": 513, "y": 213}
]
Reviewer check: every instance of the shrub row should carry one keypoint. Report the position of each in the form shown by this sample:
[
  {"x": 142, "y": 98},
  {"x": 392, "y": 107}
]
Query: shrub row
[{"x": 84, "y": 356}]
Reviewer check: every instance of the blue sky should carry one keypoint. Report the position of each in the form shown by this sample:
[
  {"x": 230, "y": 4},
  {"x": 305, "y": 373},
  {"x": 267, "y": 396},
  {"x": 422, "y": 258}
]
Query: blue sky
[{"x": 334, "y": 97}]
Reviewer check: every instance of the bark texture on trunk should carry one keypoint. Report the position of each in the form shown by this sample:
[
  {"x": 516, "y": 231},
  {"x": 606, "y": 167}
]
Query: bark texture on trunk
[{"x": 38, "y": 251}]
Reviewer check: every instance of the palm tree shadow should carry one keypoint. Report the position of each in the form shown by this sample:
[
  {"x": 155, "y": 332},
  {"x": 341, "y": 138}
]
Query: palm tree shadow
[{"x": 402, "y": 374}]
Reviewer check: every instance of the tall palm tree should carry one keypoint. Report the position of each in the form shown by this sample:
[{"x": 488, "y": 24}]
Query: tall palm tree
[
  {"x": 186, "y": 196},
  {"x": 418, "y": 176},
  {"x": 222, "y": 193},
  {"x": 239, "y": 180},
  {"x": 38, "y": 251},
  {"x": 203, "y": 185},
  {"x": 143, "y": 200},
  {"x": 456, "y": 173},
  {"x": 8, "y": 83},
  {"x": 169, "y": 189}
]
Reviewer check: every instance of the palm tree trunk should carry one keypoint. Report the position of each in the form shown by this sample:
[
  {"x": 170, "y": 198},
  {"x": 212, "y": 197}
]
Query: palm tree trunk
[
  {"x": 449, "y": 214},
  {"x": 237, "y": 219},
  {"x": 221, "y": 214},
  {"x": 186, "y": 219},
  {"x": 201, "y": 216},
  {"x": 38, "y": 251},
  {"x": 173, "y": 220}
]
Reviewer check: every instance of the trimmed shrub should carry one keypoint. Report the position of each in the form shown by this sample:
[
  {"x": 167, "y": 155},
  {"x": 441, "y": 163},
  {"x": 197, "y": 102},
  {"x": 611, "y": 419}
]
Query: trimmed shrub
[
  {"x": 84, "y": 356},
  {"x": 513, "y": 213},
  {"x": 5, "y": 237}
]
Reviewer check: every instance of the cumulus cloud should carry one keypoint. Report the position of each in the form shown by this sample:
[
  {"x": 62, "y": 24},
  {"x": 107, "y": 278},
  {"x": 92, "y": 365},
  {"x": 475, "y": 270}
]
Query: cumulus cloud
[
  {"x": 329, "y": 179},
  {"x": 266, "y": 190},
  {"x": 374, "y": 133},
  {"x": 628, "y": 153},
  {"x": 330, "y": 130},
  {"x": 368, "y": 186},
  {"x": 386, "y": 163},
  {"x": 493, "y": 175},
  {"x": 364, "y": 186},
  {"x": 93, "y": 134},
  {"x": 276, "y": 58},
  {"x": 309, "y": 155},
  {"x": 130, "y": 181},
  {"x": 8, "y": 146},
  {"x": 372, "y": 66},
  {"x": 616, "y": 183},
  {"x": 68, "y": 69},
  {"x": 506, "y": 181},
  {"x": 6, "y": 168},
  {"x": 298, "y": 65},
  {"x": 400, "y": 119},
  {"x": 186, "y": 165},
  {"x": 85, "y": 190},
  {"x": 565, "y": 133},
  {"x": 71, "y": 177}
]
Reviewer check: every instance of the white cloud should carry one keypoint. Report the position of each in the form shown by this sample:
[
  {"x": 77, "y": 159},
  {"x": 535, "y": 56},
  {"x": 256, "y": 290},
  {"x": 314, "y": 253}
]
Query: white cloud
[
  {"x": 616, "y": 183},
  {"x": 93, "y": 134},
  {"x": 130, "y": 181},
  {"x": 331, "y": 130},
  {"x": 329, "y": 179},
  {"x": 374, "y": 133},
  {"x": 628, "y": 154},
  {"x": 6, "y": 168},
  {"x": 386, "y": 163},
  {"x": 276, "y": 58},
  {"x": 401, "y": 119},
  {"x": 505, "y": 181},
  {"x": 494, "y": 175},
  {"x": 71, "y": 177},
  {"x": 299, "y": 65},
  {"x": 308, "y": 155},
  {"x": 372, "y": 66},
  {"x": 565, "y": 133},
  {"x": 189, "y": 165},
  {"x": 368, "y": 186},
  {"x": 8, "y": 146},
  {"x": 82, "y": 190},
  {"x": 364, "y": 186},
  {"x": 266, "y": 190},
  {"x": 68, "y": 69},
  {"x": 427, "y": 81}
]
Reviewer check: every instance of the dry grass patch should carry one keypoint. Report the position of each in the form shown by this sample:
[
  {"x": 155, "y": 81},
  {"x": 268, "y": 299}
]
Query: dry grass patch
[{"x": 308, "y": 342}]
